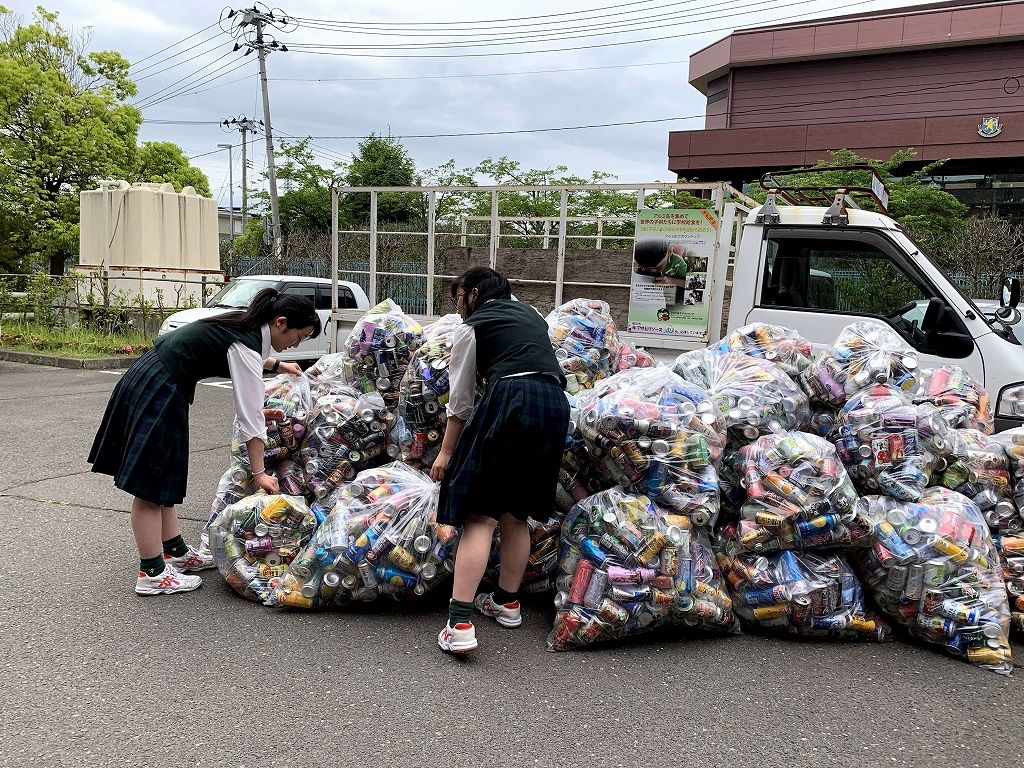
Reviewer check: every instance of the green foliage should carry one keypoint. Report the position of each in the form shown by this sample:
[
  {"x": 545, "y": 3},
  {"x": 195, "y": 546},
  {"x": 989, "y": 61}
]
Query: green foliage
[
  {"x": 73, "y": 342},
  {"x": 165, "y": 162},
  {"x": 63, "y": 126},
  {"x": 381, "y": 162}
]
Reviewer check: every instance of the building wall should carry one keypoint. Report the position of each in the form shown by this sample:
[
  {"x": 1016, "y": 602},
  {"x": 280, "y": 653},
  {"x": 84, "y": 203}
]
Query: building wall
[{"x": 930, "y": 83}]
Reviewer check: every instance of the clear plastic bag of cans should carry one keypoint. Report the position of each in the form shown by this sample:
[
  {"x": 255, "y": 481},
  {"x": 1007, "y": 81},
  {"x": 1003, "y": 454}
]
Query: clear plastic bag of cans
[
  {"x": 286, "y": 406},
  {"x": 254, "y": 540},
  {"x": 809, "y": 594},
  {"x": 774, "y": 343},
  {"x": 327, "y": 376},
  {"x": 627, "y": 566},
  {"x": 422, "y": 416},
  {"x": 380, "y": 539},
  {"x": 961, "y": 401},
  {"x": 799, "y": 496},
  {"x": 634, "y": 357},
  {"x": 754, "y": 397},
  {"x": 585, "y": 340},
  {"x": 1011, "y": 559},
  {"x": 378, "y": 350},
  {"x": 933, "y": 568},
  {"x": 865, "y": 353},
  {"x": 888, "y": 444},
  {"x": 980, "y": 469},
  {"x": 344, "y": 435},
  {"x": 653, "y": 433}
]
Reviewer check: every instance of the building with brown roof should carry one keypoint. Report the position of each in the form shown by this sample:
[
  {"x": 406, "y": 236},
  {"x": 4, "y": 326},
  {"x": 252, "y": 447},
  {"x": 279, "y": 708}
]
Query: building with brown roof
[{"x": 944, "y": 79}]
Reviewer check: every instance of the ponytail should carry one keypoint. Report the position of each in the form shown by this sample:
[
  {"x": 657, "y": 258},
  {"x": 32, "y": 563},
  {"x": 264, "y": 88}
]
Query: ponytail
[
  {"x": 489, "y": 284},
  {"x": 265, "y": 306}
]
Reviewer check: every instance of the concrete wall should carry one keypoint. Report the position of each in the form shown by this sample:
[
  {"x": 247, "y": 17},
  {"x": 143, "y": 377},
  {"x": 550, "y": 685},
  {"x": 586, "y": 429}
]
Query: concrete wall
[{"x": 592, "y": 266}]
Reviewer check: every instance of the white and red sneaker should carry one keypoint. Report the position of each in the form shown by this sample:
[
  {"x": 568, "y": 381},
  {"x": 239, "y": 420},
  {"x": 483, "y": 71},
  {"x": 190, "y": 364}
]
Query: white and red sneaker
[
  {"x": 192, "y": 561},
  {"x": 458, "y": 639},
  {"x": 508, "y": 615},
  {"x": 167, "y": 582}
]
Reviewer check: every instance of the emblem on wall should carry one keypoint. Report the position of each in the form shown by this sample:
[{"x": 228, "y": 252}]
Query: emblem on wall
[{"x": 990, "y": 126}]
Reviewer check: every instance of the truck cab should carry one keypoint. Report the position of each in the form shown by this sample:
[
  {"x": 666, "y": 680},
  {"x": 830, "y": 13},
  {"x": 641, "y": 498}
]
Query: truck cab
[{"x": 811, "y": 269}]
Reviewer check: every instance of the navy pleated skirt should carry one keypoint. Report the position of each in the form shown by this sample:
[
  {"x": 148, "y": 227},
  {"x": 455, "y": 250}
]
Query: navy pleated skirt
[
  {"x": 143, "y": 438},
  {"x": 508, "y": 456}
]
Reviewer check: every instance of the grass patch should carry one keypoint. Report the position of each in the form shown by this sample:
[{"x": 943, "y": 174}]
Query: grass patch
[{"x": 71, "y": 342}]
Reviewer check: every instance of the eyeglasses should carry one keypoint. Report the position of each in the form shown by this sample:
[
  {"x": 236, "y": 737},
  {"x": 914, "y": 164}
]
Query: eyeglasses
[{"x": 455, "y": 300}]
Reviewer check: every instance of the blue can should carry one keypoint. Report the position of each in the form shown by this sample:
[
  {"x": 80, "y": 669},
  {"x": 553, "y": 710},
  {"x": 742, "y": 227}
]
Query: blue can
[
  {"x": 789, "y": 568},
  {"x": 592, "y": 551}
]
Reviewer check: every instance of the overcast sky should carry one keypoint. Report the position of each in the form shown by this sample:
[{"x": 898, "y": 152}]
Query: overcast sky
[{"x": 451, "y": 96}]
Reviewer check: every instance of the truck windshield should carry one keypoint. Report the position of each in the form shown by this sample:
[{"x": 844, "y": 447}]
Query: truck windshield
[
  {"x": 914, "y": 244},
  {"x": 238, "y": 294}
]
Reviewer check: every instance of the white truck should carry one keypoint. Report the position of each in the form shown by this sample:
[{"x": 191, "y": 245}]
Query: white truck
[{"x": 812, "y": 267}]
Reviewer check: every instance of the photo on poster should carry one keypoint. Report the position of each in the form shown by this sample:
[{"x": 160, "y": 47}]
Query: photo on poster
[{"x": 669, "y": 283}]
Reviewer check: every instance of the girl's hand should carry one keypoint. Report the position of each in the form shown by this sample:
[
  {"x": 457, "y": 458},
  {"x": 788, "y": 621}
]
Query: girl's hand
[
  {"x": 440, "y": 466},
  {"x": 266, "y": 483},
  {"x": 293, "y": 368}
]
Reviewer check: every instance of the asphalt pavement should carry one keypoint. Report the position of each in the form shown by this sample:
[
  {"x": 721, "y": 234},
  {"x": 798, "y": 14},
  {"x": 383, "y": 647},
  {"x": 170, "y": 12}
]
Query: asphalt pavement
[{"x": 95, "y": 676}]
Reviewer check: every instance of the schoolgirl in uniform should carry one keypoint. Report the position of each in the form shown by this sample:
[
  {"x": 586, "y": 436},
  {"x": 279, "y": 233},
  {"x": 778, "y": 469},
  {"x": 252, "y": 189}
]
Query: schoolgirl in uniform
[
  {"x": 500, "y": 465},
  {"x": 143, "y": 438}
]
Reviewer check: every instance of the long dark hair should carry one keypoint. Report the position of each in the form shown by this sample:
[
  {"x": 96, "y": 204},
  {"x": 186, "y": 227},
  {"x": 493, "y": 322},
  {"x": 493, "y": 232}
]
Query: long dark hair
[
  {"x": 489, "y": 284},
  {"x": 268, "y": 304}
]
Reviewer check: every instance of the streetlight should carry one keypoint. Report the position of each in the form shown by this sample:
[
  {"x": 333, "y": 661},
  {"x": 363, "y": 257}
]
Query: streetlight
[{"x": 231, "y": 192}]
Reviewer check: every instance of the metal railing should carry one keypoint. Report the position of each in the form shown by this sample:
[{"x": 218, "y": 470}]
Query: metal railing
[{"x": 561, "y": 230}]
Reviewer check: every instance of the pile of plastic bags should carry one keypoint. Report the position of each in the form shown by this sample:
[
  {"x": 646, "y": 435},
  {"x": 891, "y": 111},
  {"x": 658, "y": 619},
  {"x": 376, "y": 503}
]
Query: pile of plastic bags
[
  {"x": 798, "y": 496},
  {"x": 754, "y": 397},
  {"x": 933, "y": 567},
  {"x": 865, "y": 353},
  {"x": 254, "y": 540},
  {"x": 627, "y": 566},
  {"x": 655, "y": 434},
  {"x": 810, "y": 594},
  {"x": 773, "y": 343},
  {"x": 422, "y": 416},
  {"x": 378, "y": 350},
  {"x": 585, "y": 341},
  {"x": 381, "y": 538},
  {"x": 346, "y": 432},
  {"x": 961, "y": 401}
]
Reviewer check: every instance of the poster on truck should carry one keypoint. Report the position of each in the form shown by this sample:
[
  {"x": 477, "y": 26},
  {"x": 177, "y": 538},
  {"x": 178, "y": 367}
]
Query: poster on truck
[{"x": 669, "y": 288}]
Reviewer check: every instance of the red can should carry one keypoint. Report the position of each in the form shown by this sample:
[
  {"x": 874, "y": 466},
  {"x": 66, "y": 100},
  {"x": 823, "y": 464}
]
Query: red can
[{"x": 580, "y": 581}]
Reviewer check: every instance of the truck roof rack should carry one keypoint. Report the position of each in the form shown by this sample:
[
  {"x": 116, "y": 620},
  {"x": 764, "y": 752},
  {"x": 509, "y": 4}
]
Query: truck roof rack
[{"x": 838, "y": 198}]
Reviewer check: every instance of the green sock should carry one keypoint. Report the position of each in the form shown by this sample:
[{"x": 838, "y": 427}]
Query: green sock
[
  {"x": 152, "y": 566},
  {"x": 459, "y": 612},
  {"x": 176, "y": 547}
]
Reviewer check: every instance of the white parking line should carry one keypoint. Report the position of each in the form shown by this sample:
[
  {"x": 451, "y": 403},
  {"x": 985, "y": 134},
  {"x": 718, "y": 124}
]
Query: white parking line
[{"x": 217, "y": 384}]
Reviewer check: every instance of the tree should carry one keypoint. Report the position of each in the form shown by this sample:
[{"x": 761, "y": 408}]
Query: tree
[
  {"x": 63, "y": 126},
  {"x": 931, "y": 214},
  {"x": 543, "y": 204},
  {"x": 164, "y": 161},
  {"x": 381, "y": 162},
  {"x": 982, "y": 251}
]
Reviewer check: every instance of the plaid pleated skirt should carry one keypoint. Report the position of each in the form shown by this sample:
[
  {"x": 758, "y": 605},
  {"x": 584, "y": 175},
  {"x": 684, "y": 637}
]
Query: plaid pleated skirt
[
  {"x": 507, "y": 459},
  {"x": 143, "y": 438}
]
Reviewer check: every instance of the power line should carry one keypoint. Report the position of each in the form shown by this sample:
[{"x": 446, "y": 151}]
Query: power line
[
  {"x": 491, "y": 21},
  {"x": 206, "y": 80},
  {"x": 174, "y": 55},
  {"x": 307, "y": 47},
  {"x": 638, "y": 23},
  {"x": 179, "y": 63},
  {"x": 172, "y": 45},
  {"x": 144, "y": 101}
]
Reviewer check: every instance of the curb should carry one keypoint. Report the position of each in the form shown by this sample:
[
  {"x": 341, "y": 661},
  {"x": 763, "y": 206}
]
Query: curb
[{"x": 55, "y": 361}]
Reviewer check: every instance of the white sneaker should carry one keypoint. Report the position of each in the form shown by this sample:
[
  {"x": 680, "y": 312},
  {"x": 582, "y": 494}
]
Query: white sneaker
[
  {"x": 167, "y": 582},
  {"x": 507, "y": 615},
  {"x": 192, "y": 561},
  {"x": 458, "y": 639}
]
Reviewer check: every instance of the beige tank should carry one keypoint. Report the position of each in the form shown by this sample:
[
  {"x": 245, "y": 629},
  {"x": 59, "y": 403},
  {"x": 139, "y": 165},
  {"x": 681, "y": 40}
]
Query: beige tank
[{"x": 152, "y": 236}]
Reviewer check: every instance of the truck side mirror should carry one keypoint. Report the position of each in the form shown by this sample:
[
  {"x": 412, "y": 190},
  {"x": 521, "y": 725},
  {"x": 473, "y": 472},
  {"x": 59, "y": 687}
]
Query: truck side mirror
[{"x": 1010, "y": 297}]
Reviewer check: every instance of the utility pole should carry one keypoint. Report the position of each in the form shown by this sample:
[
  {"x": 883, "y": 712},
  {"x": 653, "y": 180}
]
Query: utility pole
[
  {"x": 231, "y": 191},
  {"x": 245, "y": 126},
  {"x": 251, "y": 31}
]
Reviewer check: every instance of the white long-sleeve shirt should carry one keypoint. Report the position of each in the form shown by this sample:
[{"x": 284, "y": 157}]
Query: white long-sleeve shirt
[{"x": 246, "y": 367}]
